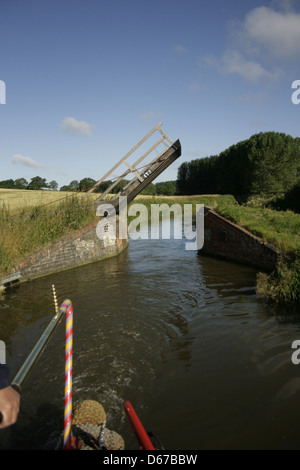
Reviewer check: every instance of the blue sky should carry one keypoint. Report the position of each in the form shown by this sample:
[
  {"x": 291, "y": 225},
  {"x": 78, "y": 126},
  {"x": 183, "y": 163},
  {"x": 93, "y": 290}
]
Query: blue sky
[{"x": 87, "y": 79}]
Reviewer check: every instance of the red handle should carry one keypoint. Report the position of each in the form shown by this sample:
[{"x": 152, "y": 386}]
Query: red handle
[{"x": 141, "y": 435}]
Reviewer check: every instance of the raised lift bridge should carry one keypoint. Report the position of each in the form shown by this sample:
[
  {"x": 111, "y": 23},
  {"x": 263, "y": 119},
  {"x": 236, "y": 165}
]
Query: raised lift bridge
[{"x": 142, "y": 175}]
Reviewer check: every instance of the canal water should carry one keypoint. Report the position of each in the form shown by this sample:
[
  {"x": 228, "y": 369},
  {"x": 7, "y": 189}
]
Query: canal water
[{"x": 204, "y": 361}]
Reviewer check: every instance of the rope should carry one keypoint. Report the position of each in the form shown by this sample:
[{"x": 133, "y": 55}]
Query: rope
[
  {"x": 101, "y": 436},
  {"x": 89, "y": 426}
]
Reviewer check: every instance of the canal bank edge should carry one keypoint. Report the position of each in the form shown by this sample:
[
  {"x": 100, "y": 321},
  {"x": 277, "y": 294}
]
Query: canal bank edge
[
  {"x": 222, "y": 239},
  {"x": 227, "y": 240},
  {"x": 73, "y": 250}
]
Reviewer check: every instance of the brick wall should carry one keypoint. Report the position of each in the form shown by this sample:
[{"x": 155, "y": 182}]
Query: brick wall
[
  {"x": 79, "y": 248},
  {"x": 227, "y": 240}
]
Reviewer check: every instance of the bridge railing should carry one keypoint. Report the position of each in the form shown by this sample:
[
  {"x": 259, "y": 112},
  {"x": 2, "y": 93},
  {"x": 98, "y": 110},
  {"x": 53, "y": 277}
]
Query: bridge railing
[{"x": 132, "y": 168}]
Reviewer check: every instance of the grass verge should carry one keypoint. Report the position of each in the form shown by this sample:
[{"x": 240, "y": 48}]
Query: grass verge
[
  {"x": 283, "y": 284},
  {"x": 21, "y": 234},
  {"x": 282, "y": 229}
]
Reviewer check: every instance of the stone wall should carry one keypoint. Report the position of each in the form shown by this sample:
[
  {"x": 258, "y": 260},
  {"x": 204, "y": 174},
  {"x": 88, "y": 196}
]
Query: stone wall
[
  {"x": 77, "y": 249},
  {"x": 227, "y": 240}
]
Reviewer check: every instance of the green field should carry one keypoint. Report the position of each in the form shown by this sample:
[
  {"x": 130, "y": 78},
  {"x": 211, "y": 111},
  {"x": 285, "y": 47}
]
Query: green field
[{"x": 18, "y": 200}]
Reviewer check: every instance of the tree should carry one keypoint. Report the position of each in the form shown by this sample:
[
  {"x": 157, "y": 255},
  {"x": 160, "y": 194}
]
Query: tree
[
  {"x": 197, "y": 176},
  {"x": 21, "y": 183},
  {"x": 119, "y": 186},
  {"x": 234, "y": 171},
  {"x": 37, "y": 183},
  {"x": 86, "y": 183},
  {"x": 74, "y": 185},
  {"x": 9, "y": 184},
  {"x": 265, "y": 164},
  {"x": 182, "y": 179},
  {"x": 275, "y": 158},
  {"x": 53, "y": 185},
  {"x": 149, "y": 190},
  {"x": 290, "y": 201},
  {"x": 167, "y": 188}
]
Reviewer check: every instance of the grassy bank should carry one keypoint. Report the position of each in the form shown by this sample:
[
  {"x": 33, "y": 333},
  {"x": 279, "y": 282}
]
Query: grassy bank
[
  {"x": 212, "y": 201},
  {"x": 283, "y": 285},
  {"x": 282, "y": 229},
  {"x": 26, "y": 229},
  {"x": 277, "y": 227}
]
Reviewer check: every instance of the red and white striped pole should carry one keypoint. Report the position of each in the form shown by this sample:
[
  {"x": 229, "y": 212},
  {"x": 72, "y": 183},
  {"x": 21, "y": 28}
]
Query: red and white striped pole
[{"x": 68, "y": 308}]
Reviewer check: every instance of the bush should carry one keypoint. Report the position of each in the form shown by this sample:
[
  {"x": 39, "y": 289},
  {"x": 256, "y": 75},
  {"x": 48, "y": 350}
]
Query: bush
[
  {"x": 290, "y": 201},
  {"x": 283, "y": 285}
]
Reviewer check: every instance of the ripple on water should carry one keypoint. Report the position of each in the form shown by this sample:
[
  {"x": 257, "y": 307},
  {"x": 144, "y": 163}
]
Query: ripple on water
[{"x": 184, "y": 338}]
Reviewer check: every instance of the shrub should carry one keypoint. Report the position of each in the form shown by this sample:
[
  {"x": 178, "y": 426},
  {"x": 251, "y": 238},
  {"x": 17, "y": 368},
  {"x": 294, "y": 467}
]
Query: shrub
[
  {"x": 290, "y": 201},
  {"x": 283, "y": 285}
]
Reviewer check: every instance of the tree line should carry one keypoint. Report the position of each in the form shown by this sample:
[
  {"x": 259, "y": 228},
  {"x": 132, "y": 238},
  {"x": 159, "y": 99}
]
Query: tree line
[
  {"x": 167, "y": 188},
  {"x": 266, "y": 164},
  {"x": 35, "y": 183}
]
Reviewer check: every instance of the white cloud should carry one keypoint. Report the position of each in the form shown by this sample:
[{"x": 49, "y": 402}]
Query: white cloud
[
  {"x": 26, "y": 161},
  {"x": 179, "y": 48},
  {"x": 284, "y": 4},
  {"x": 193, "y": 87},
  {"x": 73, "y": 126},
  {"x": 233, "y": 62},
  {"x": 251, "y": 98},
  {"x": 261, "y": 44},
  {"x": 273, "y": 32},
  {"x": 150, "y": 116}
]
